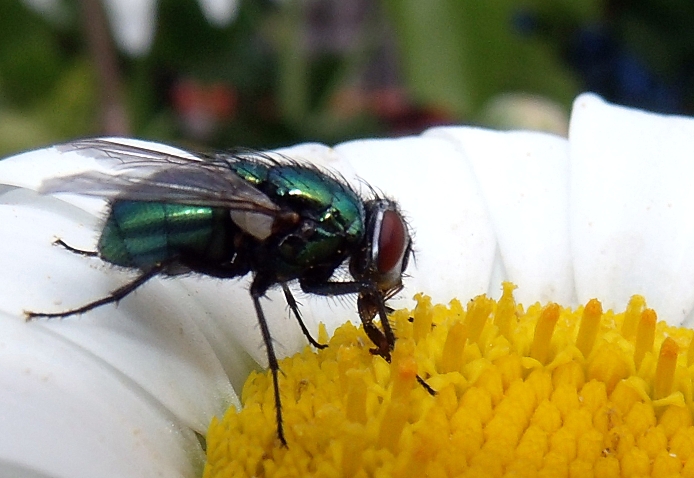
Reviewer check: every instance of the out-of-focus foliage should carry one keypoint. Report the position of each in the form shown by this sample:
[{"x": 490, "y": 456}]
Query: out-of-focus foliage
[
  {"x": 460, "y": 54},
  {"x": 45, "y": 91},
  {"x": 328, "y": 70}
]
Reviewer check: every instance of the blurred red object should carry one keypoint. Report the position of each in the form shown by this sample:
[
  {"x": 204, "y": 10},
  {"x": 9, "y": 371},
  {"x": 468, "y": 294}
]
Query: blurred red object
[
  {"x": 393, "y": 107},
  {"x": 202, "y": 107}
]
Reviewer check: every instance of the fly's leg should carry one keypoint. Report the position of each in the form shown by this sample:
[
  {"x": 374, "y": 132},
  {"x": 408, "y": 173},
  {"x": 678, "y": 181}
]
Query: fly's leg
[
  {"x": 367, "y": 310},
  {"x": 379, "y": 340},
  {"x": 114, "y": 296},
  {"x": 376, "y": 302},
  {"x": 426, "y": 386},
  {"x": 295, "y": 309},
  {"x": 65, "y": 245},
  {"x": 382, "y": 312},
  {"x": 256, "y": 294},
  {"x": 369, "y": 303}
]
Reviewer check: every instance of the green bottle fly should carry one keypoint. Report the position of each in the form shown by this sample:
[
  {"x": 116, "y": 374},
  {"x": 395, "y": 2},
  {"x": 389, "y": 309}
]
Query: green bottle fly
[{"x": 229, "y": 215}]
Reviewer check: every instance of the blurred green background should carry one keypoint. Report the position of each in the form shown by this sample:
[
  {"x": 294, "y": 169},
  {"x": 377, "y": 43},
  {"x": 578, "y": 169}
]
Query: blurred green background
[{"x": 281, "y": 72}]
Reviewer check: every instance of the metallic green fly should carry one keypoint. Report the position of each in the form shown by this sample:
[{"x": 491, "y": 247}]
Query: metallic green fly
[{"x": 228, "y": 215}]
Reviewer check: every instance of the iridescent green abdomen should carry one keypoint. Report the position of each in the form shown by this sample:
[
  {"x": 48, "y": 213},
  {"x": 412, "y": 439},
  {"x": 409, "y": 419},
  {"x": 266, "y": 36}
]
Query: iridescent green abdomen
[{"x": 143, "y": 234}]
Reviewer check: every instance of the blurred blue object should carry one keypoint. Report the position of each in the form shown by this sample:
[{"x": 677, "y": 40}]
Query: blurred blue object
[{"x": 610, "y": 69}]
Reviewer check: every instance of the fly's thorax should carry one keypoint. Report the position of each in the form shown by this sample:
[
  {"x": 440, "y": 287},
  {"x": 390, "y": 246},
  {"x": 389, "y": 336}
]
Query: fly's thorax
[
  {"x": 142, "y": 234},
  {"x": 312, "y": 194},
  {"x": 386, "y": 248},
  {"x": 332, "y": 217},
  {"x": 327, "y": 221},
  {"x": 310, "y": 245},
  {"x": 332, "y": 204},
  {"x": 251, "y": 171}
]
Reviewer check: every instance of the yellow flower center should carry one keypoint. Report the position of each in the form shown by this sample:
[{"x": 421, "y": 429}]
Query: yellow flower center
[{"x": 545, "y": 391}]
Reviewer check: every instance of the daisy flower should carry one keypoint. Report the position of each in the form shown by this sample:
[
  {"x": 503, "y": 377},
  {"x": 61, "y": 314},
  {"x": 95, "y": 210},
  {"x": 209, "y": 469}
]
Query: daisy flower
[{"x": 131, "y": 390}]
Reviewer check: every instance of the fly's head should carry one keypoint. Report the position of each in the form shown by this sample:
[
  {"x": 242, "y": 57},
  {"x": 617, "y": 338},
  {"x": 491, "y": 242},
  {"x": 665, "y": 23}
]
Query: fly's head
[{"x": 381, "y": 261}]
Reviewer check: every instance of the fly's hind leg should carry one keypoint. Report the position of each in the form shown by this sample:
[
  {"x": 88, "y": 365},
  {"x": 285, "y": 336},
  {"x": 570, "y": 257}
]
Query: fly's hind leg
[
  {"x": 114, "y": 296},
  {"x": 65, "y": 245}
]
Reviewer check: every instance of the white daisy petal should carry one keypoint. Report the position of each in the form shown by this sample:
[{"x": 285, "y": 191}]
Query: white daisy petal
[
  {"x": 150, "y": 347},
  {"x": 226, "y": 317},
  {"x": 66, "y": 413},
  {"x": 454, "y": 236},
  {"x": 118, "y": 391},
  {"x": 152, "y": 337},
  {"x": 524, "y": 180},
  {"x": 632, "y": 207}
]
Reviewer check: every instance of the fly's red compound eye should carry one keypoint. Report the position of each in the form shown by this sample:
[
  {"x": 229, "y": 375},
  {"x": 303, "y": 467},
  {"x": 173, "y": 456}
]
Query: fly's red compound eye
[{"x": 392, "y": 242}]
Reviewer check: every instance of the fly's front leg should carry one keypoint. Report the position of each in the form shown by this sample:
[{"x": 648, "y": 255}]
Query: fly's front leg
[
  {"x": 367, "y": 311},
  {"x": 382, "y": 348},
  {"x": 370, "y": 303}
]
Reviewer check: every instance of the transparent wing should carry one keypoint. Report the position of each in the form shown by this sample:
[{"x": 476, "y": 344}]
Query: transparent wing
[
  {"x": 122, "y": 156},
  {"x": 142, "y": 174}
]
